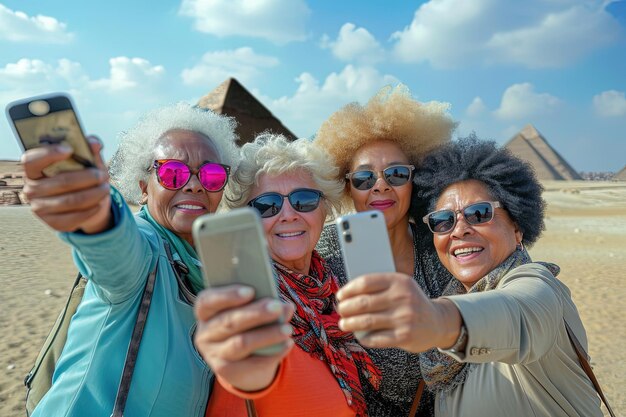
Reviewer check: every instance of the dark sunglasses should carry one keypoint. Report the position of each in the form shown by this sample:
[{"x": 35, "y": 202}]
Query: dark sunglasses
[
  {"x": 174, "y": 174},
  {"x": 394, "y": 175},
  {"x": 302, "y": 200},
  {"x": 443, "y": 221}
]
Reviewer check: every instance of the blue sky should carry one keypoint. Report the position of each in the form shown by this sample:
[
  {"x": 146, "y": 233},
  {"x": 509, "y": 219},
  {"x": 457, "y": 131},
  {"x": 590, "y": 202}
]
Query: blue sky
[{"x": 500, "y": 64}]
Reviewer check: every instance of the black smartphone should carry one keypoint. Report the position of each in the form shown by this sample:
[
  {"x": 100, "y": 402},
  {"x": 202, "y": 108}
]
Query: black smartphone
[{"x": 50, "y": 120}]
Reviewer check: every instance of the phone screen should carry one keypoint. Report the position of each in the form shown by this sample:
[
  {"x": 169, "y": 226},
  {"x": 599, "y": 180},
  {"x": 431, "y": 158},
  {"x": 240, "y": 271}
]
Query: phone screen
[{"x": 51, "y": 121}]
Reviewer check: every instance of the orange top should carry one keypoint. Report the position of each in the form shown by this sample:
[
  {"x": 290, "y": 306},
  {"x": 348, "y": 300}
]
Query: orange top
[{"x": 303, "y": 387}]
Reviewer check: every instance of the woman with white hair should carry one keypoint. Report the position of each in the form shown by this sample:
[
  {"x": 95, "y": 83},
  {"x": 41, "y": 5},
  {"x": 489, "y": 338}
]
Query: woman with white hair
[
  {"x": 175, "y": 163},
  {"x": 293, "y": 187}
]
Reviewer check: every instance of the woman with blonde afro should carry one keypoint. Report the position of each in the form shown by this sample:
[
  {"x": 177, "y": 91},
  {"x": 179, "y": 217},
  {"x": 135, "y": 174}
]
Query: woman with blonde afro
[{"x": 376, "y": 148}]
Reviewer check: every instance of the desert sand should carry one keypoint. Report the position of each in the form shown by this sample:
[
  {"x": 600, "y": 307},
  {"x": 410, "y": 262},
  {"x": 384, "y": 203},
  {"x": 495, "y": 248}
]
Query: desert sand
[{"x": 585, "y": 234}]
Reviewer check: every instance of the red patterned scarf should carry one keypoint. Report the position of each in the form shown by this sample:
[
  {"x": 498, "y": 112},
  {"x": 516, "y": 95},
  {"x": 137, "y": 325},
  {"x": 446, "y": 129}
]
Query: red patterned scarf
[{"x": 316, "y": 330}]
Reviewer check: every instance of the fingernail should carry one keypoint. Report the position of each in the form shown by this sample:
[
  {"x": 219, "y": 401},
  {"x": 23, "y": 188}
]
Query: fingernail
[
  {"x": 95, "y": 139},
  {"x": 274, "y": 306},
  {"x": 63, "y": 148},
  {"x": 245, "y": 292},
  {"x": 286, "y": 329}
]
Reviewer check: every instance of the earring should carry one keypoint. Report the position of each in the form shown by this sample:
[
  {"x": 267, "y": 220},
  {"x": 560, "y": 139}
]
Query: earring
[{"x": 520, "y": 246}]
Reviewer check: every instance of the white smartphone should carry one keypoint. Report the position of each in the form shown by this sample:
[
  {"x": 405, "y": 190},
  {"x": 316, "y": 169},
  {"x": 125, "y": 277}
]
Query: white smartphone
[
  {"x": 233, "y": 250},
  {"x": 365, "y": 247},
  {"x": 50, "y": 120},
  {"x": 364, "y": 243}
]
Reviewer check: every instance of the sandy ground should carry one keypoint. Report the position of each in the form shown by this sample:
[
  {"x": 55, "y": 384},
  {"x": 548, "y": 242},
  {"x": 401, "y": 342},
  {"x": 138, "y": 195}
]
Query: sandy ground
[{"x": 586, "y": 236}]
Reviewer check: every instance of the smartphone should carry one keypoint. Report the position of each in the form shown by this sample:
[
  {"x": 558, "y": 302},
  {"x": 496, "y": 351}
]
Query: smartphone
[
  {"x": 365, "y": 247},
  {"x": 50, "y": 120},
  {"x": 233, "y": 250},
  {"x": 364, "y": 243}
]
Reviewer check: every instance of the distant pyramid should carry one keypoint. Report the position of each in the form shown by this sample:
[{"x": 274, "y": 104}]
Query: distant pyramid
[
  {"x": 620, "y": 176},
  {"x": 531, "y": 146},
  {"x": 232, "y": 99}
]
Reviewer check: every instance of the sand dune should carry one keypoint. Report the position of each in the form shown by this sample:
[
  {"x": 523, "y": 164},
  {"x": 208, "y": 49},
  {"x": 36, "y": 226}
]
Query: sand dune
[{"x": 586, "y": 236}]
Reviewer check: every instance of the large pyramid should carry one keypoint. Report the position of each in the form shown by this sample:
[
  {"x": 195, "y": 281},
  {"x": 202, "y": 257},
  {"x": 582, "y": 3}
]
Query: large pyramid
[
  {"x": 232, "y": 99},
  {"x": 531, "y": 146},
  {"x": 620, "y": 176}
]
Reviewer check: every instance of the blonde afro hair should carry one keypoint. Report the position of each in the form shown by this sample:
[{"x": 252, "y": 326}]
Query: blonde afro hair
[{"x": 392, "y": 114}]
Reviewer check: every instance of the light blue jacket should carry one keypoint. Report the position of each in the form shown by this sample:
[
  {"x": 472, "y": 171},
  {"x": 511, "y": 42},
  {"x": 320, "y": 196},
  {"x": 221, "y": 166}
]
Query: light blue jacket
[{"x": 170, "y": 377}]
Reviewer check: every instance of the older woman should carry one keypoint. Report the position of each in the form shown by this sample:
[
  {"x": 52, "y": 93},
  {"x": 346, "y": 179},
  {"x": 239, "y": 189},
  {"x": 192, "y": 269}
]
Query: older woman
[
  {"x": 175, "y": 163},
  {"x": 293, "y": 187},
  {"x": 376, "y": 148},
  {"x": 501, "y": 328}
]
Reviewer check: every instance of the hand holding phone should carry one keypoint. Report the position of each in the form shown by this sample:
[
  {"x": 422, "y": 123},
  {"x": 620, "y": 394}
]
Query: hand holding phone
[
  {"x": 81, "y": 197},
  {"x": 233, "y": 250},
  {"x": 51, "y": 120}
]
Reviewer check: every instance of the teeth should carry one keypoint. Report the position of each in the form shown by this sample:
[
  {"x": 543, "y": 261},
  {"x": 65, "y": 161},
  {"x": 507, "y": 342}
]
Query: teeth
[
  {"x": 290, "y": 234},
  {"x": 464, "y": 251},
  {"x": 190, "y": 206}
]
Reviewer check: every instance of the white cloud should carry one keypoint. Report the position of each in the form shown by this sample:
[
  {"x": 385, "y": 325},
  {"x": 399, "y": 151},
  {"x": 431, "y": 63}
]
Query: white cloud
[
  {"x": 215, "y": 67},
  {"x": 610, "y": 103},
  {"x": 37, "y": 76},
  {"x": 130, "y": 73},
  {"x": 106, "y": 106},
  {"x": 533, "y": 33},
  {"x": 476, "y": 108},
  {"x": 355, "y": 44},
  {"x": 520, "y": 101},
  {"x": 27, "y": 77},
  {"x": 312, "y": 103},
  {"x": 17, "y": 26},
  {"x": 279, "y": 21}
]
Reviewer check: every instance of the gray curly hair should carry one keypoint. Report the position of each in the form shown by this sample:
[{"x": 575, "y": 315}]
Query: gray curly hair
[
  {"x": 275, "y": 155},
  {"x": 135, "y": 153}
]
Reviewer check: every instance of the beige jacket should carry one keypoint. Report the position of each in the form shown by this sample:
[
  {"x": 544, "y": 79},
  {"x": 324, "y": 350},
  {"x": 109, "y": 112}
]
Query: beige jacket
[{"x": 522, "y": 362}]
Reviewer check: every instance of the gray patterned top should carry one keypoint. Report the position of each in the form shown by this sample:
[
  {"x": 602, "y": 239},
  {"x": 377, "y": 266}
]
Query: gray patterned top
[{"x": 400, "y": 369}]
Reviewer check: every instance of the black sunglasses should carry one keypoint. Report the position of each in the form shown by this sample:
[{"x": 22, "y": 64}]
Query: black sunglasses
[
  {"x": 303, "y": 200},
  {"x": 443, "y": 221},
  {"x": 394, "y": 175}
]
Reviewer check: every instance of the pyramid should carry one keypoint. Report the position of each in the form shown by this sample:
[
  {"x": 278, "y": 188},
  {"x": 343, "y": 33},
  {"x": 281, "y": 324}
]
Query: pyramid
[
  {"x": 532, "y": 147},
  {"x": 620, "y": 175},
  {"x": 230, "y": 98}
]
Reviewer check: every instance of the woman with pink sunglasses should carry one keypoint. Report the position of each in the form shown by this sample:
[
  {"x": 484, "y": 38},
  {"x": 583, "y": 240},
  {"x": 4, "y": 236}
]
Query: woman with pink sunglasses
[{"x": 175, "y": 163}]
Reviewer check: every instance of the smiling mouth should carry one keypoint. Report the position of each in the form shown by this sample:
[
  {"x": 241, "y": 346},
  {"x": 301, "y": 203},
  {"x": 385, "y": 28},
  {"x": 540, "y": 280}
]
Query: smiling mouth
[
  {"x": 382, "y": 204},
  {"x": 463, "y": 252},
  {"x": 189, "y": 207},
  {"x": 291, "y": 234}
]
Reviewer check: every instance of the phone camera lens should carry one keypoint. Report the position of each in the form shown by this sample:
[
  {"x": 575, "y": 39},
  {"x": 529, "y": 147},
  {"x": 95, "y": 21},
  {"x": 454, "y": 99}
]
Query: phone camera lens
[
  {"x": 39, "y": 107},
  {"x": 346, "y": 225},
  {"x": 348, "y": 237},
  {"x": 374, "y": 215}
]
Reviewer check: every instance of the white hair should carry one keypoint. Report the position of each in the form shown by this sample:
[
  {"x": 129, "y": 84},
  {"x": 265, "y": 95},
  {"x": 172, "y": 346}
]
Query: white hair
[
  {"x": 135, "y": 153},
  {"x": 275, "y": 155}
]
